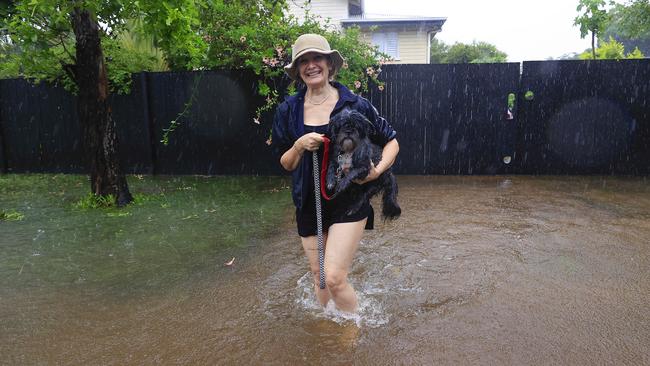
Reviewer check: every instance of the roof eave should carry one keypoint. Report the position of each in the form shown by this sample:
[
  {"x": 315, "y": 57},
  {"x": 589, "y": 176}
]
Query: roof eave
[{"x": 432, "y": 23}]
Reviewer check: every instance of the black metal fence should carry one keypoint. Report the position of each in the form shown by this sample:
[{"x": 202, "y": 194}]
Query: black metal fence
[
  {"x": 580, "y": 117},
  {"x": 451, "y": 118},
  {"x": 584, "y": 118}
]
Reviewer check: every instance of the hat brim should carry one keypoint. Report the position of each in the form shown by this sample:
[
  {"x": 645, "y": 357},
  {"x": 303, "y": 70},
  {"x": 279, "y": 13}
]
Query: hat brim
[{"x": 335, "y": 56}]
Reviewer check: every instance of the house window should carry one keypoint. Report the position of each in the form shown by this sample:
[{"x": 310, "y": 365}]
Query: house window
[
  {"x": 355, "y": 8},
  {"x": 387, "y": 43}
]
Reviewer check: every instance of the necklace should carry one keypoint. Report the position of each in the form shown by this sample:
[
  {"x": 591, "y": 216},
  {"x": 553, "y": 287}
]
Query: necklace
[{"x": 320, "y": 102}]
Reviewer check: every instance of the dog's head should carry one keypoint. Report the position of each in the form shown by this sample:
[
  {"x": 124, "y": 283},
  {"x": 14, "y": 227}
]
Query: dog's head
[{"x": 349, "y": 128}]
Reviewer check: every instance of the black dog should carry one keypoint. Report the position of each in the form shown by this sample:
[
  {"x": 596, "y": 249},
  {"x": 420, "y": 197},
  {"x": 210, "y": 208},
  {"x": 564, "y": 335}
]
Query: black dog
[{"x": 350, "y": 155}]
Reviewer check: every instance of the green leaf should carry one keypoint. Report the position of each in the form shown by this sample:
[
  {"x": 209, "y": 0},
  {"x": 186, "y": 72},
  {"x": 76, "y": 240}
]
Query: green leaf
[{"x": 264, "y": 89}]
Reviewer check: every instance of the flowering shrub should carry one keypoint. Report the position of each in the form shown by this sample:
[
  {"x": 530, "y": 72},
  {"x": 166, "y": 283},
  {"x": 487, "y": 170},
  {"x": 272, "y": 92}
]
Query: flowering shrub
[{"x": 258, "y": 35}]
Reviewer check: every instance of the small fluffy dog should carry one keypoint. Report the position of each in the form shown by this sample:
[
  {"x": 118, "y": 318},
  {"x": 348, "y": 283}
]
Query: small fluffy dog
[{"x": 351, "y": 152}]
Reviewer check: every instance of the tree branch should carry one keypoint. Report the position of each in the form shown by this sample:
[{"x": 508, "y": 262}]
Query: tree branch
[
  {"x": 73, "y": 58},
  {"x": 70, "y": 70}
]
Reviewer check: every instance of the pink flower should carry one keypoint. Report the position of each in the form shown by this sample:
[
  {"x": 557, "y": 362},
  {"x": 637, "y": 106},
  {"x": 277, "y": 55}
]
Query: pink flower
[
  {"x": 380, "y": 87},
  {"x": 269, "y": 141},
  {"x": 279, "y": 50},
  {"x": 242, "y": 39},
  {"x": 345, "y": 65},
  {"x": 357, "y": 84},
  {"x": 270, "y": 61},
  {"x": 370, "y": 71}
]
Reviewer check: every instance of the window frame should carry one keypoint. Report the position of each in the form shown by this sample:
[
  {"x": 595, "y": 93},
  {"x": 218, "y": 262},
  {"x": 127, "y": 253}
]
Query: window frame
[{"x": 381, "y": 40}]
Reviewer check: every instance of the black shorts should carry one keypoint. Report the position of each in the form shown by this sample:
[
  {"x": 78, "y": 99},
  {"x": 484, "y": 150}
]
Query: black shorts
[{"x": 334, "y": 212}]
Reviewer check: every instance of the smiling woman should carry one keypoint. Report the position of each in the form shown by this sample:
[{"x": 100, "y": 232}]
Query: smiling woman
[{"x": 299, "y": 128}]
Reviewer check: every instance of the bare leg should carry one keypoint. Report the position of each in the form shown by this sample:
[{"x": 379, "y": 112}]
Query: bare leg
[
  {"x": 342, "y": 243},
  {"x": 310, "y": 245}
]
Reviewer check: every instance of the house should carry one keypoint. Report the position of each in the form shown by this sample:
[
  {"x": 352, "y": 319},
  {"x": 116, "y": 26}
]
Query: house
[{"x": 406, "y": 39}]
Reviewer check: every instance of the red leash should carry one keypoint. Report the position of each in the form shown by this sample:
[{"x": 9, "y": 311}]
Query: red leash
[{"x": 323, "y": 168}]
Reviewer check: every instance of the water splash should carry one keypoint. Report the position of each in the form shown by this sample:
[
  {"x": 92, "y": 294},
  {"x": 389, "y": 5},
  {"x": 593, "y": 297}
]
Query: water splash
[{"x": 371, "y": 313}]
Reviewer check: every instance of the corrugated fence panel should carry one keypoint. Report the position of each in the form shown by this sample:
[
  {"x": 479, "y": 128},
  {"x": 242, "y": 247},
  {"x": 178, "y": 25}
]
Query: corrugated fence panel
[
  {"x": 585, "y": 117},
  {"x": 3, "y": 146},
  {"x": 450, "y": 118},
  {"x": 216, "y": 133},
  {"x": 40, "y": 128},
  {"x": 3, "y": 164},
  {"x": 131, "y": 121}
]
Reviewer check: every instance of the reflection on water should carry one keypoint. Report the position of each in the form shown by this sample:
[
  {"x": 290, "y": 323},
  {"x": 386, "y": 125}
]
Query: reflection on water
[{"x": 478, "y": 270}]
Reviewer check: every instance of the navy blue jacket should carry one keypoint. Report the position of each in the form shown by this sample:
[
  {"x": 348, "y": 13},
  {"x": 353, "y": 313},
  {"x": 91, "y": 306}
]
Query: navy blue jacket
[{"x": 288, "y": 126}]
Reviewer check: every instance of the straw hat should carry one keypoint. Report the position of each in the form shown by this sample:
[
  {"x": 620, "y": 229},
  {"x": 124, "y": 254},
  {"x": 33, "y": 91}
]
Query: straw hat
[{"x": 312, "y": 43}]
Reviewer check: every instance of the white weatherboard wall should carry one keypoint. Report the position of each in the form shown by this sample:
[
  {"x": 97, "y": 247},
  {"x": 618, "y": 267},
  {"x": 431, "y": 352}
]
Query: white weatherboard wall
[
  {"x": 333, "y": 9},
  {"x": 413, "y": 45}
]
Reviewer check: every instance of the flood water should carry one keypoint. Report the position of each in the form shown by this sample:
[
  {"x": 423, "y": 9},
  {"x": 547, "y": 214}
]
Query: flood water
[{"x": 478, "y": 270}]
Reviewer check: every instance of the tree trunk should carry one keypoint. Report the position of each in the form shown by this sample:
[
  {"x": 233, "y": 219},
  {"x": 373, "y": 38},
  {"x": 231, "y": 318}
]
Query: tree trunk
[
  {"x": 593, "y": 44},
  {"x": 97, "y": 126}
]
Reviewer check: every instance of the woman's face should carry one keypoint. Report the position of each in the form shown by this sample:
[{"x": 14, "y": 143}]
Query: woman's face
[{"x": 314, "y": 69}]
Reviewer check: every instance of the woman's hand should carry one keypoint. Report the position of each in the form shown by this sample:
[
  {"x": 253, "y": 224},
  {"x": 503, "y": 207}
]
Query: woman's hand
[
  {"x": 373, "y": 174},
  {"x": 309, "y": 142}
]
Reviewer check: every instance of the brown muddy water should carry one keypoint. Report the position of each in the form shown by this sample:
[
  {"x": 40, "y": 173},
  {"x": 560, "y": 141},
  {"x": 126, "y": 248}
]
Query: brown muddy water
[{"x": 478, "y": 270}]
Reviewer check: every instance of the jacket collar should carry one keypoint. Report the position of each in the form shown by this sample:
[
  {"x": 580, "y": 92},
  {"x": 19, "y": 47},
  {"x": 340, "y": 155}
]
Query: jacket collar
[{"x": 345, "y": 96}]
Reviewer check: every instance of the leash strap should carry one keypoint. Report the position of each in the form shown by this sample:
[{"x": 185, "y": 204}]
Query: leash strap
[
  {"x": 319, "y": 217},
  {"x": 323, "y": 168}
]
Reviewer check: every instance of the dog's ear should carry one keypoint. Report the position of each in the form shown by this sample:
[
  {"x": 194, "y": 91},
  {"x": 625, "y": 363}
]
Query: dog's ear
[
  {"x": 339, "y": 120},
  {"x": 335, "y": 125},
  {"x": 362, "y": 123}
]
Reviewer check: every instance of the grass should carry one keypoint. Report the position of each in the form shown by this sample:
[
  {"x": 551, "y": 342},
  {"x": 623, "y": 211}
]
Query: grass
[
  {"x": 11, "y": 216},
  {"x": 55, "y": 234},
  {"x": 92, "y": 200}
]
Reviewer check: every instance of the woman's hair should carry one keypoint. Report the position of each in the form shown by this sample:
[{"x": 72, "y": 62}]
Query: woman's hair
[{"x": 330, "y": 67}]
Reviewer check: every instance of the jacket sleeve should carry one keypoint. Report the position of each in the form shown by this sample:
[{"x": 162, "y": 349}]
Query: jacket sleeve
[
  {"x": 384, "y": 132},
  {"x": 280, "y": 138}
]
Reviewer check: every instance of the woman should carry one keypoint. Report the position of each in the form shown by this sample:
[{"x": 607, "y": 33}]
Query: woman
[{"x": 299, "y": 125}]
